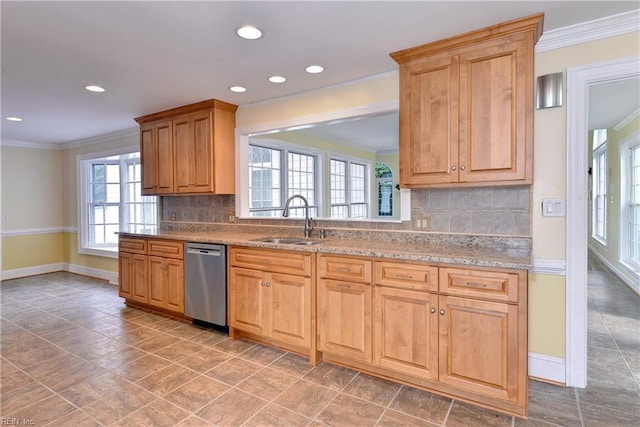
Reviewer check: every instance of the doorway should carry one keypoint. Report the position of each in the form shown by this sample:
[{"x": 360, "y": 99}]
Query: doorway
[{"x": 579, "y": 80}]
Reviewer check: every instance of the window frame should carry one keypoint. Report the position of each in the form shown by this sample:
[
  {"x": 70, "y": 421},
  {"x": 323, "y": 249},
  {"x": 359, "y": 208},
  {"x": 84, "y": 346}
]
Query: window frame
[
  {"x": 285, "y": 149},
  {"x": 600, "y": 171},
  {"x": 83, "y": 162},
  {"x": 626, "y": 147},
  {"x": 348, "y": 184}
]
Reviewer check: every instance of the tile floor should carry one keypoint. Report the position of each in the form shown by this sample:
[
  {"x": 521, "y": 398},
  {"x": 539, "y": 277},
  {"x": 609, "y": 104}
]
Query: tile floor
[{"x": 73, "y": 355}]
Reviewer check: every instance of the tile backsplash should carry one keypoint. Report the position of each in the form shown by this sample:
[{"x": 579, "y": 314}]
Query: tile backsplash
[{"x": 502, "y": 211}]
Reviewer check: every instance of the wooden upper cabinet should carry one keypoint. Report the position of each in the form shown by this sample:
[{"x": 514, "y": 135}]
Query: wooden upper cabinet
[
  {"x": 466, "y": 107},
  {"x": 189, "y": 150}
]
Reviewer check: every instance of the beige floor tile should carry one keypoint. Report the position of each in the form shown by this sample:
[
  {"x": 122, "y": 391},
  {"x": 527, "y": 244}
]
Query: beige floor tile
[
  {"x": 179, "y": 350},
  {"x": 610, "y": 396},
  {"x": 167, "y": 379},
  {"x": 603, "y": 416},
  {"x": 13, "y": 399},
  {"x": 63, "y": 372},
  {"x": 421, "y": 404},
  {"x": 347, "y": 410},
  {"x": 117, "y": 405},
  {"x": 205, "y": 360},
  {"x": 186, "y": 331},
  {"x": 197, "y": 393},
  {"x": 464, "y": 415},
  {"x": 232, "y": 408},
  {"x": 306, "y": 398},
  {"x": 233, "y": 371},
  {"x": 332, "y": 376},
  {"x": 267, "y": 383},
  {"x": 94, "y": 389},
  {"x": 261, "y": 354},
  {"x": 274, "y": 415},
  {"x": 142, "y": 367},
  {"x": 77, "y": 418},
  {"x": 208, "y": 338},
  {"x": 156, "y": 343},
  {"x": 43, "y": 411},
  {"x": 547, "y": 408},
  {"x": 158, "y": 413},
  {"x": 292, "y": 364},
  {"x": 372, "y": 389},
  {"x": 13, "y": 379},
  {"x": 138, "y": 335},
  {"x": 233, "y": 347},
  {"x": 117, "y": 358},
  {"x": 194, "y": 421},
  {"x": 392, "y": 418}
]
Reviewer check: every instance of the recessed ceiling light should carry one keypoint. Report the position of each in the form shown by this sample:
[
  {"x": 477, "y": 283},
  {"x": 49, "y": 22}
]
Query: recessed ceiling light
[
  {"x": 249, "y": 33},
  {"x": 94, "y": 88},
  {"x": 14, "y": 119},
  {"x": 314, "y": 69},
  {"x": 238, "y": 89},
  {"x": 277, "y": 79}
]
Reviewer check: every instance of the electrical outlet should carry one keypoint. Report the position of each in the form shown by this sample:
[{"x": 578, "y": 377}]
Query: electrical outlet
[{"x": 232, "y": 218}]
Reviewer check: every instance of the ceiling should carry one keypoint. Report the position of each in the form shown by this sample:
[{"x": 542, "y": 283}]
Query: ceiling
[{"x": 152, "y": 56}]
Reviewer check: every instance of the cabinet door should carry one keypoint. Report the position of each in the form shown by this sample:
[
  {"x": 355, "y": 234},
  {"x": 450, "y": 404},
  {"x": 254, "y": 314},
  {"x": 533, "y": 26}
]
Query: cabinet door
[
  {"x": 247, "y": 291},
  {"x": 429, "y": 121},
  {"x": 290, "y": 308},
  {"x": 201, "y": 163},
  {"x": 125, "y": 275},
  {"x": 494, "y": 109},
  {"x": 164, "y": 138},
  {"x": 174, "y": 285},
  {"x": 148, "y": 159},
  {"x": 157, "y": 280},
  {"x": 406, "y": 331},
  {"x": 479, "y": 348},
  {"x": 345, "y": 319},
  {"x": 183, "y": 149}
]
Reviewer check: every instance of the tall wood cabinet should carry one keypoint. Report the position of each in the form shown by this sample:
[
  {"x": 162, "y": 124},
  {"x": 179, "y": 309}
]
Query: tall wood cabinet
[
  {"x": 189, "y": 150},
  {"x": 466, "y": 107}
]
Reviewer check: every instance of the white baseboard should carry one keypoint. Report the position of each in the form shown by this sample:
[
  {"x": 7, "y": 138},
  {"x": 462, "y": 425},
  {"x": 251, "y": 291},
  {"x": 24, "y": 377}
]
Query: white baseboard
[
  {"x": 547, "y": 368},
  {"x": 110, "y": 276}
]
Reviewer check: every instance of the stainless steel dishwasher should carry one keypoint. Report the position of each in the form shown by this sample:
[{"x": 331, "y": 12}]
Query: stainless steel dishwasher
[{"x": 205, "y": 283}]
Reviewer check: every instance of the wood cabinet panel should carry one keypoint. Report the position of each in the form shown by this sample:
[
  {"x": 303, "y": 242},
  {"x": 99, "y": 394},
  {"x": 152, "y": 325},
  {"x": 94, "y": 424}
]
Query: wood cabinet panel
[
  {"x": 345, "y": 319},
  {"x": 134, "y": 246},
  {"x": 479, "y": 348},
  {"x": 183, "y": 146},
  {"x": 406, "y": 331},
  {"x": 166, "y": 248},
  {"x": 346, "y": 268},
  {"x": 148, "y": 159},
  {"x": 247, "y": 306},
  {"x": 290, "y": 308},
  {"x": 133, "y": 276},
  {"x": 406, "y": 275},
  {"x": 486, "y": 284},
  {"x": 157, "y": 281},
  {"x": 287, "y": 262}
]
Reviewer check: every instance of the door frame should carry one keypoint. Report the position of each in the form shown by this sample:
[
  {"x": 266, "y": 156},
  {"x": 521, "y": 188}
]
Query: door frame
[{"x": 579, "y": 80}]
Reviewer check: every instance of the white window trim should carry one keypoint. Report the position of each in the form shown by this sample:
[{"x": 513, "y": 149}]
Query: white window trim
[
  {"x": 626, "y": 144},
  {"x": 82, "y": 199},
  {"x": 284, "y": 176},
  {"x": 602, "y": 240},
  {"x": 367, "y": 184}
]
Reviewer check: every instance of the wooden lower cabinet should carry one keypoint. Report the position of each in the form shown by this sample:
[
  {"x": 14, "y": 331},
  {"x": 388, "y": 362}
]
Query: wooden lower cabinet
[
  {"x": 272, "y": 298},
  {"x": 406, "y": 331},
  {"x": 406, "y": 326},
  {"x": 151, "y": 272},
  {"x": 345, "y": 319}
]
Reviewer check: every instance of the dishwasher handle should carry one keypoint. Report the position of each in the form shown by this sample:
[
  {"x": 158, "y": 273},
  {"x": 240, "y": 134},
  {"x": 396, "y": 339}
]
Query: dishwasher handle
[{"x": 209, "y": 252}]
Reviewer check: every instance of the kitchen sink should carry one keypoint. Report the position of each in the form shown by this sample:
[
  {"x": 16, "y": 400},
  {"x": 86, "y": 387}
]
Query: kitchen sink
[{"x": 288, "y": 241}]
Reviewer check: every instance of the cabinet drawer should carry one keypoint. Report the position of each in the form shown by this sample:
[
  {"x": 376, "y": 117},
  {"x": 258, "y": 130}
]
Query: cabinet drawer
[
  {"x": 289, "y": 262},
  {"x": 134, "y": 246},
  {"x": 344, "y": 268},
  {"x": 406, "y": 276},
  {"x": 496, "y": 285},
  {"x": 167, "y": 249}
]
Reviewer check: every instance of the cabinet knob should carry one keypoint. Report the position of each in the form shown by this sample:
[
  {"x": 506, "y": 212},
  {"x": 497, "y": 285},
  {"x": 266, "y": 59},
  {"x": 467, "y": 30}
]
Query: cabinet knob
[
  {"x": 442, "y": 312},
  {"x": 433, "y": 310},
  {"x": 453, "y": 168},
  {"x": 261, "y": 283},
  {"x": 267, "y": 284},
  {"x": 462, "y": 167}
]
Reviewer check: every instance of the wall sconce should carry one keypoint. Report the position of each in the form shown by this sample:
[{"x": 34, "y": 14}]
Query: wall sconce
[{"x": 549, "y": 91}]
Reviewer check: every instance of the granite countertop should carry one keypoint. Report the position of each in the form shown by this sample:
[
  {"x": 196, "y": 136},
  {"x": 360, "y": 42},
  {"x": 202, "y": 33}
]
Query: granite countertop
[{"x": 473, "y": 251}]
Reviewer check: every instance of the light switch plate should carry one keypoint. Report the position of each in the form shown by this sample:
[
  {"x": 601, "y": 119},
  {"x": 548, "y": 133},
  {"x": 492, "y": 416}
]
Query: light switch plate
[{"x": 554, "y": 207}]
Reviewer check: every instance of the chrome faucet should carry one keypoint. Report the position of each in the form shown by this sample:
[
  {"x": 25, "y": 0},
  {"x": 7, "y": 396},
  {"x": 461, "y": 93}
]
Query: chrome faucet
[{"x": 308, "y": 226}]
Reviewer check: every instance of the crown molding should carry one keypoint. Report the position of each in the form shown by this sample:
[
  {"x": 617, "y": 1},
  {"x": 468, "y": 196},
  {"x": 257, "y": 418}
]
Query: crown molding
[
  {"x": 99, "y": 139},
  {"x": 635, "y": 114},
  {"x": 596, "y": 29},
  {"x": 26, "y": 144}
]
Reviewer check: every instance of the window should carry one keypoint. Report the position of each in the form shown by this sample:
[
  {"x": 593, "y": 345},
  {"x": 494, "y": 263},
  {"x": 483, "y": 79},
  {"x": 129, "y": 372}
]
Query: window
[
  {"x": 271, "y": 181},
  {"x": 384, "y": 181},
  {"x": 111, "y": 199},
  {"x": 599, "y": 231},
  {"x": 348, "y": 192},
  {"x": 630, "y": 203}
]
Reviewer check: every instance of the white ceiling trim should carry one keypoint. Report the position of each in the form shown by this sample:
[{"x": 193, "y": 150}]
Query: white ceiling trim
[
  {"x": 26, "y": 144},
  {"x": 99, "y": 139},
  {"x": 610, "y": 26},
  {"x": 627, "y": 120}
]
